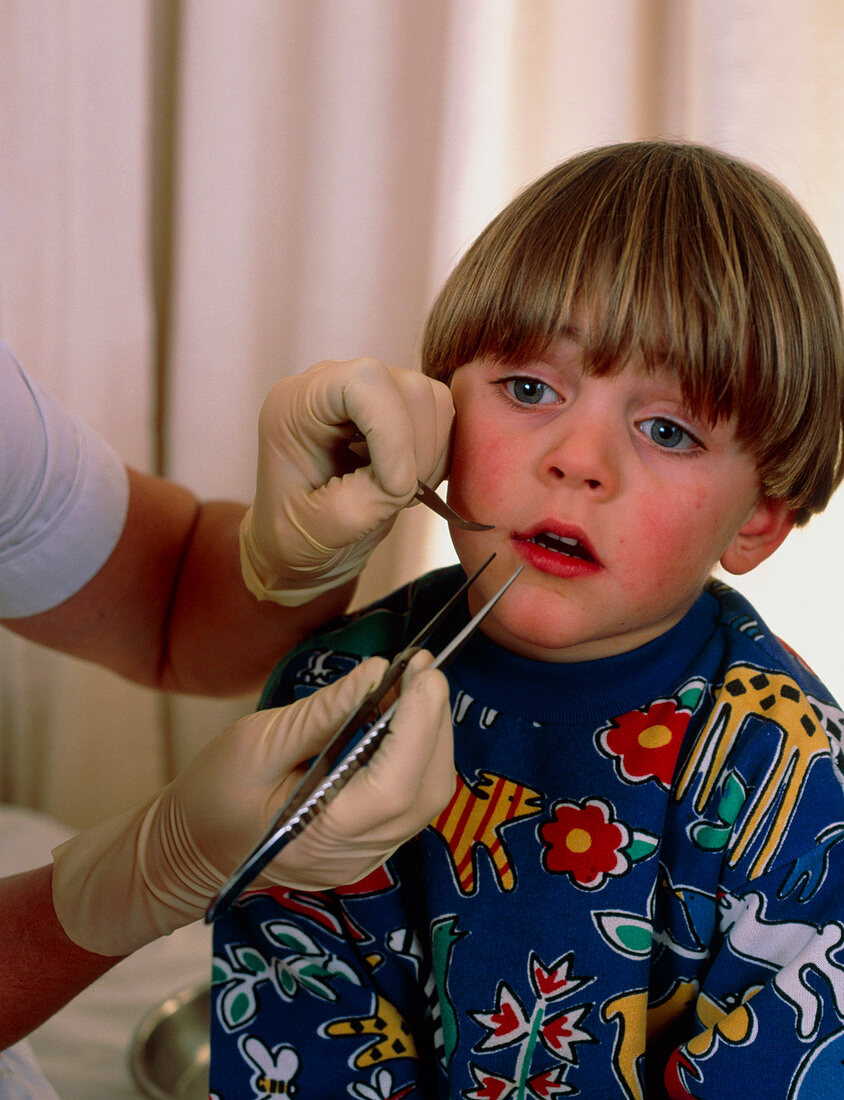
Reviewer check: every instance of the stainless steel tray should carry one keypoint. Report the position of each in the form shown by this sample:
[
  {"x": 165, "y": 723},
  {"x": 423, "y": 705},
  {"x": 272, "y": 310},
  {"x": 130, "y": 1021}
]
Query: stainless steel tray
[{"x": 169, "y": 1053}]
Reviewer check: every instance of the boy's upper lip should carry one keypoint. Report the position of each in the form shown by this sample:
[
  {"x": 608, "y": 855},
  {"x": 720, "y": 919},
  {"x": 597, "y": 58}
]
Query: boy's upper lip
[{"x": 564, "y": 531}]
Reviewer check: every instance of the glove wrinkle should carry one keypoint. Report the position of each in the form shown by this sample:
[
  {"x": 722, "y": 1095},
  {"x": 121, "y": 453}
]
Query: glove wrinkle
[{"x": 314, "y": 521}]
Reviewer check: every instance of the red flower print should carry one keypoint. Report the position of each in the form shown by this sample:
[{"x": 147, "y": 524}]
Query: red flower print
[
  {"x": 584, "y": 841},
  {"x": 550, "y": 1084},
  {"x": 506, "y": 1024},
  {"x": 556, "y": 980},
  {"x": 644, "y": 744},
  {"x": 549, "y": 983},
  {"x": 511, "y": 1025},
  {"x": 561, "y": 1033},
  {"x": 489, "y": 1085}
]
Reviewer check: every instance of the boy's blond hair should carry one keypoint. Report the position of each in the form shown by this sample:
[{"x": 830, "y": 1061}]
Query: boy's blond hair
[{"x": 688, "y": 258}]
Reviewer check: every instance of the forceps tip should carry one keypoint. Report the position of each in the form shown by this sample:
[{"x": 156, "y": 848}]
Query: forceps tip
[{"x": 435, "y": 502}]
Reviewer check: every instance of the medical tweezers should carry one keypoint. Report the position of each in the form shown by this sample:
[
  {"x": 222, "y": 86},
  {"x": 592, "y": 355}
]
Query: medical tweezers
[{"x": 350, "y": 749}]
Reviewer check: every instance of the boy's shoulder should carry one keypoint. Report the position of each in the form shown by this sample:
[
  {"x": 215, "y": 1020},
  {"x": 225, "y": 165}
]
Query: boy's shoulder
[
  {"x": 762, "y": 677},
  {"x": 380, "y": 629},
  {"x": 748, "y": 639},
  {"x": 765, "y": 747}
]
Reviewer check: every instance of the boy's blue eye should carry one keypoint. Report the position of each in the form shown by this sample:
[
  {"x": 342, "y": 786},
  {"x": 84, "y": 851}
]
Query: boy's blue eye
[
  {"x": 530, "y": 391},
  {"x": 667, "y": 434}
]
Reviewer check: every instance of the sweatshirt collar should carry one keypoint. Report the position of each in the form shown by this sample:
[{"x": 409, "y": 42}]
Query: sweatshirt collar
[{"x": 584, "y": 691}]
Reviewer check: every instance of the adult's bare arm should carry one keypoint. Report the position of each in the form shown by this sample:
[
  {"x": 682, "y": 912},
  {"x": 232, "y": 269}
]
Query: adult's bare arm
[
  {"x": 42, "y": 967},
  {"x": 169, "y": 608}
]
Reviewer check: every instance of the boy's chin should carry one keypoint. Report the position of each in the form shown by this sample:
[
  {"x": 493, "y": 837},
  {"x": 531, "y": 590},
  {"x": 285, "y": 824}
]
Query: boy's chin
[
  {"x": 539, "y": 633},
  {"x": 532, "y": 625}
]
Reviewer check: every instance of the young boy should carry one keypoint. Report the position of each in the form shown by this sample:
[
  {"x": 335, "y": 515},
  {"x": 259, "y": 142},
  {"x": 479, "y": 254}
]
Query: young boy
[{"x": 638, "y": 887}]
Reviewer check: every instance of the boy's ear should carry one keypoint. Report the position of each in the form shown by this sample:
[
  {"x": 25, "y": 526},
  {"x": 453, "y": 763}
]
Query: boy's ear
[{"x": 759, "y": 536}]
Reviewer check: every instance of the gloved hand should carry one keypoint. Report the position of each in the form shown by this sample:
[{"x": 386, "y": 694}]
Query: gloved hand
[
  {"x": 315, "y": 519},
  {"x": 155, "y": 868}
]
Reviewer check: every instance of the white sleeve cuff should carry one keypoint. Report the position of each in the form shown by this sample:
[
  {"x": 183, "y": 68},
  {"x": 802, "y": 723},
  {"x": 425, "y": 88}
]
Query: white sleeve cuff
[{"x": 64, "y": 494}]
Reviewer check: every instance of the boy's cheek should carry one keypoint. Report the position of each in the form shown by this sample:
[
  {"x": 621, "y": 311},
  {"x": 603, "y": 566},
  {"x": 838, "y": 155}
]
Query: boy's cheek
[
  {"x": 478, "y": 488},
  {"x": 479, "y": 471},
  {"x": 661, "y": 545}
]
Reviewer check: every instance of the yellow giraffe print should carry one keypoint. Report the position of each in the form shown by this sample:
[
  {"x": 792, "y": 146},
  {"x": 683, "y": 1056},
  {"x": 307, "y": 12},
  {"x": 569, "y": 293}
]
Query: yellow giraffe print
[
  {"x": 630, "y": 1012},
  {"x": 385, "y": 1033},
  {"x": 735, "y": 1026},
  {"x": 778, "y": 699},
  {"x": 635, "y": 1020}
]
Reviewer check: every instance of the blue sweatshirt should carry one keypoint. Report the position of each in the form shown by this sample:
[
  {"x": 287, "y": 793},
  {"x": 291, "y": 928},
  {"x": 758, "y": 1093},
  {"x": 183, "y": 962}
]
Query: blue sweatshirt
[{"x": 636, "y": 891}]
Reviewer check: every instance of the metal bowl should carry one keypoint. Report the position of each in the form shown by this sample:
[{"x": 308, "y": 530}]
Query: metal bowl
[{"x": 170, "y": 1051}]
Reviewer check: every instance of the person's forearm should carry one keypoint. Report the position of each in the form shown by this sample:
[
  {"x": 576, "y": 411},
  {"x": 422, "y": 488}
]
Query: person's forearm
[
  {"x": 169, "y": 608},
  {"x": 40, "y": 968},
  {"x": 221, "y": 640}
]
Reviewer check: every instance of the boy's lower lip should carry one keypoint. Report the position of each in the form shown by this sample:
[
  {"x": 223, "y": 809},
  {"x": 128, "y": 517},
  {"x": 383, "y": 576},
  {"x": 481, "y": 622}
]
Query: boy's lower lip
[{"x": 556, "y": 563}]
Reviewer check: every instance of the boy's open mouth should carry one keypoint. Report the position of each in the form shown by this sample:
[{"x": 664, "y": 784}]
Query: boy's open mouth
[
  {"x": 561, "y": 544},
  {"x": 568, "y": 545}
]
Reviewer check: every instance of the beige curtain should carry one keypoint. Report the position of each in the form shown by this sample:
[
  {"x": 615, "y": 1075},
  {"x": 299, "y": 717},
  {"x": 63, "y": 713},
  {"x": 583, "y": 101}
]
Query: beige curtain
[{"x": 198, "y": 196}]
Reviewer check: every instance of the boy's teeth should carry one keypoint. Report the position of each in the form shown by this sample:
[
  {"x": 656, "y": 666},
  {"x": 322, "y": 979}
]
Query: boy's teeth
[{"x": 562, "y": 544}]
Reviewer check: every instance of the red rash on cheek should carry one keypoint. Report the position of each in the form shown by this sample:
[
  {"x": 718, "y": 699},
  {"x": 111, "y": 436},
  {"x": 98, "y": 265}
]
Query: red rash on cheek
[
  {"x": 478, "y": 471},
  {"x": 662, "y": 547}
]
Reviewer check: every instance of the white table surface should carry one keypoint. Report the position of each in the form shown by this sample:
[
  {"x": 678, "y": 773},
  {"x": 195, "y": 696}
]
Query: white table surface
[{"x": 83, "y": 1049}]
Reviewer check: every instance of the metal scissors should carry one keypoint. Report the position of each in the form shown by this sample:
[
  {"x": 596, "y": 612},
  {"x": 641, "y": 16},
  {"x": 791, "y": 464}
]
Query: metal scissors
[{"x": 350, "y": 749}]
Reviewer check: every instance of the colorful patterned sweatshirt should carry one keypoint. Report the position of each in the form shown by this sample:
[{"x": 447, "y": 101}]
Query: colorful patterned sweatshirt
[{"x": 636, "y": 891}]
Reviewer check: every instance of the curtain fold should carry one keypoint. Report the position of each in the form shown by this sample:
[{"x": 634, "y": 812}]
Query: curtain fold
[
  {"x": 197, "y": 197},
  {"x": 75, "y": 308}
]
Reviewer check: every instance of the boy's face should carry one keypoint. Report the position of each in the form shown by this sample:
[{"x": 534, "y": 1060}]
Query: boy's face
[{"x": 616, "y": 500}]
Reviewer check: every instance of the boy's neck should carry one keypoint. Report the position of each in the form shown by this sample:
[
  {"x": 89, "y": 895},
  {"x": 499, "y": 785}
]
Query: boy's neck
[{"x": 573, "y": 692}]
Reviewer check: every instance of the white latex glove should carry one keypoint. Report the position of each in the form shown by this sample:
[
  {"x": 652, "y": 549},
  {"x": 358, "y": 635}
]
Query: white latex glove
[
  {"x": 157, "y": 867},
  {"x": 315, "y": 520}
]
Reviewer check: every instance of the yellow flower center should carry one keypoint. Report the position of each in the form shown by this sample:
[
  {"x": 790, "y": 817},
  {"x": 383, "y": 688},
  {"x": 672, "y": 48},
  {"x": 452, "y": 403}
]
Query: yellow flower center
[
  {"x": 578, "y": 840},
  {"x": 655, "y": 737}
]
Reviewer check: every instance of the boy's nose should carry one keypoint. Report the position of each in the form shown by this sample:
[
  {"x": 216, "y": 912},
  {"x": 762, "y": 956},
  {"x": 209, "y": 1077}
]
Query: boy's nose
[{"x": 582, "y": 455}]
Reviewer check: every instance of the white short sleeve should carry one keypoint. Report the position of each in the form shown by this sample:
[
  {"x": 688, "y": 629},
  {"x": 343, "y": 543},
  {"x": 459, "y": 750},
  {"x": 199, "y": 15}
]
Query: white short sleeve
[
  {"x": 63, "y": 497},
  {"x": 20, "y": 1077}
]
